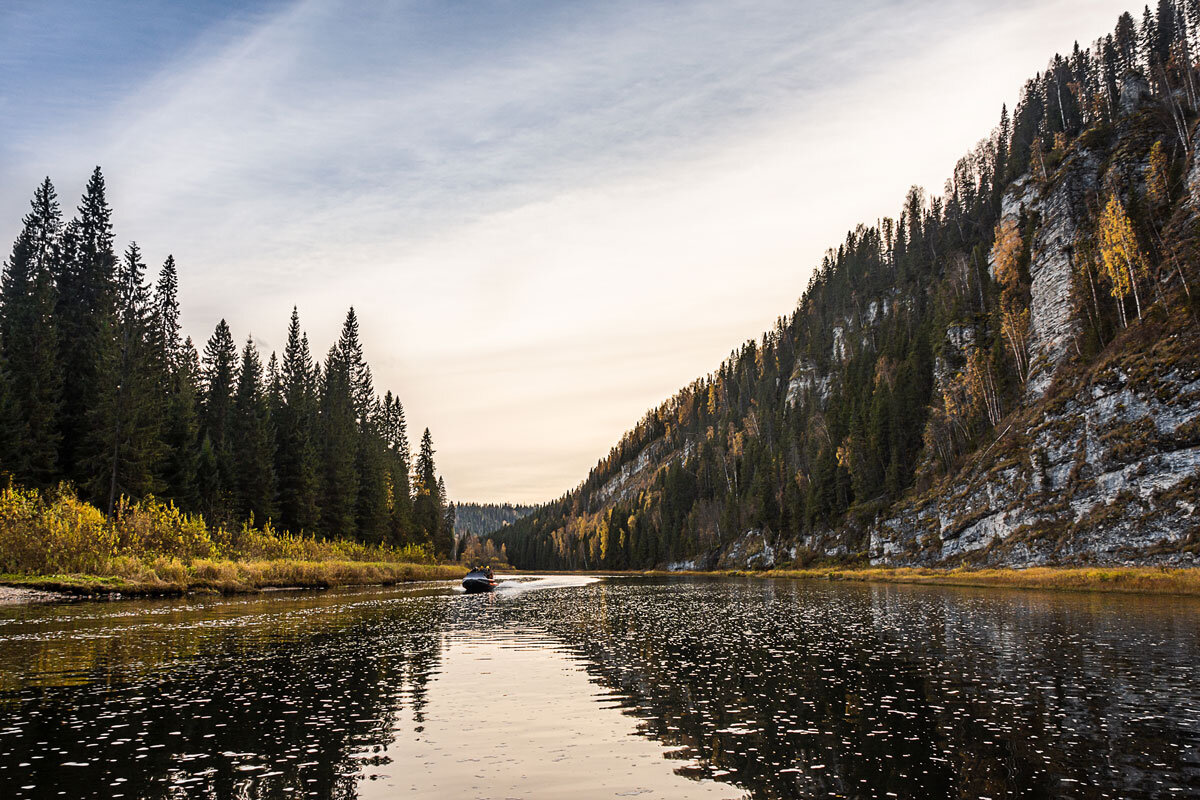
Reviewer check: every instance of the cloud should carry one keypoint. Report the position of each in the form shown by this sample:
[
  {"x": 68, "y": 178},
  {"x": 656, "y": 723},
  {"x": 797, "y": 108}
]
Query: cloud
[{"x": 549, "y": 216}]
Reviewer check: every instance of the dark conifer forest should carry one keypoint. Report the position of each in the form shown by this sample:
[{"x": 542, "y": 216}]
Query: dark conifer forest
[
  {"x": 101, "y": 393},
  {"x": 911, "y": 345},
  {"x": 480, "y": 519}
]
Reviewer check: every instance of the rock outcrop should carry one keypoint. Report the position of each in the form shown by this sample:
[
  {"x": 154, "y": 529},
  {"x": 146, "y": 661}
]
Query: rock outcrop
[
  {"x": 1108, "y": 473},
  {"x": 1052, "y": 319}
]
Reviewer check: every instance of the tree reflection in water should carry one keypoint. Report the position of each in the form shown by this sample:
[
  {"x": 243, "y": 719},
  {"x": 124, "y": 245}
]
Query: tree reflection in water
[{"x": 785, "y": 689}]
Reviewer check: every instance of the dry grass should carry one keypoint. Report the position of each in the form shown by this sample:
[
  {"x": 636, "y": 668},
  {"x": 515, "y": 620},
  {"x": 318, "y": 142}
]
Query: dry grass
[
  {"x": 171, "y": 578},
  {"x": 55, "y": 541},
  {"x": 1133, "y": 580}
]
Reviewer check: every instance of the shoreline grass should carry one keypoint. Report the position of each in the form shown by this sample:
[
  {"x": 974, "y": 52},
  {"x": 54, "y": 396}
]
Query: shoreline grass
[
  {"x": 233, "y": 577},
  {"x": 52, "y": 541},
  {"x": 1178, "y": 581}
]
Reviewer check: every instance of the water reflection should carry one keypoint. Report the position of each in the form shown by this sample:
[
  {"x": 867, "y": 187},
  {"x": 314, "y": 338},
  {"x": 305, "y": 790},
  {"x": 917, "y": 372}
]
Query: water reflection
[
  {"x": 218, "y": 701},
  {"x": 773, "y": 688},
  {"x": 804, "y": 690}
]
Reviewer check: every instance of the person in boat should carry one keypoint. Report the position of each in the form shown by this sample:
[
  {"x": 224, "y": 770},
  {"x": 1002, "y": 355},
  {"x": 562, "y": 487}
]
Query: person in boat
[{"x": 491, "y": 575}]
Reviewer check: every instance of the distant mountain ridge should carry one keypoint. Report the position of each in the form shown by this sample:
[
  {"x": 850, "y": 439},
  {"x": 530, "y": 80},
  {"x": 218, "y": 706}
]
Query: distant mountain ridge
[
  {"x": 480, "y": 519},
  {"x": 1006, "y": 374}
]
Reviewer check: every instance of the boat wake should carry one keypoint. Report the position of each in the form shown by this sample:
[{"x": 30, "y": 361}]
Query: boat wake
[{"x": 519, "y": 584}]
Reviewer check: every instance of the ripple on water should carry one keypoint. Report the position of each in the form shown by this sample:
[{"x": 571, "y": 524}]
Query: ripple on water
[{"x": 565, "y": 685}]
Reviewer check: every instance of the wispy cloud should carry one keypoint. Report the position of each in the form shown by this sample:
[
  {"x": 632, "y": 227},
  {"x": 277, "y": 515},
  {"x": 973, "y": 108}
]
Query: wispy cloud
[{"x": 548, "y": 215}]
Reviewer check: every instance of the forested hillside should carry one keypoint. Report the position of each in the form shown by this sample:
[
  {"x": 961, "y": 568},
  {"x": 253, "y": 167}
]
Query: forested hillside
[
  {"x": 1008, "y": 372},
  {"x": 100, "y": 391},
  {"x": 480, "y": 519}
]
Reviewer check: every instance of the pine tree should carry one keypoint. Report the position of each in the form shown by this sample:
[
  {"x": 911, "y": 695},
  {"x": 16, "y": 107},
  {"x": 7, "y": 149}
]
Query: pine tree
[
  {"x": 395, "y": 434},
  {"x": 252, "y": 443},
  {"x": 371, "y": 512},
  {"x": 1147, "y": 42},
  {"x": 85, "y": 309},
  {"x": 29, "y": 346},
  {"x": 1166, "y": 31},
  {"x": 181, "y": 427},
  {"x": 339, "y": 430},
  {"x": 428, "y": 505},
  {"x": 216, "y": 473},
  {"x": 448, "y": 535},
  {"x": 297, "y": 467},
  {"x": 362, "y": 388},
  {"x": 124, "y": 447},
  {"x": 165, "y": 328},
  {"x": 1126, "y": 40}
]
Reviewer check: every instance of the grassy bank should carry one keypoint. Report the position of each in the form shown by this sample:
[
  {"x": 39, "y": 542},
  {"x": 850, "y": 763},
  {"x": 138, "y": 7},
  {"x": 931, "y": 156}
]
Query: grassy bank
[
  {"x": 1132, "y": 580},
  {"x": 54, "y": 541}
]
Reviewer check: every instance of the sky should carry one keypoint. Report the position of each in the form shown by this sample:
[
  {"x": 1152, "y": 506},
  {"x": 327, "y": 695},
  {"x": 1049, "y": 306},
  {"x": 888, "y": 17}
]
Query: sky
[{"x": 548, "y": 216}]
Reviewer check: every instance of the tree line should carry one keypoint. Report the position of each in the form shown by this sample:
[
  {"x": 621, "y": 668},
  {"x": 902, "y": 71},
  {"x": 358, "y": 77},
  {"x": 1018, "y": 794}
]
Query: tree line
[
  {"x": 99, "y": 389},
  {"x": 481, "y": 519},
  {"x": 911, "y": 343}
]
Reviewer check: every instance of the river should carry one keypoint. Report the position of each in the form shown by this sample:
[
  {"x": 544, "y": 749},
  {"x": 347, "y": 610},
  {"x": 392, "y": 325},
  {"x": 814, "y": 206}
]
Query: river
[{"x": 580, "y": 687}]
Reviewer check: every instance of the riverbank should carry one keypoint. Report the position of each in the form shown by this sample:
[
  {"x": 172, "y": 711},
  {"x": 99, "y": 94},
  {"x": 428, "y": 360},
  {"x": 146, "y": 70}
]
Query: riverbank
[
  {"x": 1129, "y": 580},
  {"x": 171, "y": 578},
  {"x": 54, "y": 542}
]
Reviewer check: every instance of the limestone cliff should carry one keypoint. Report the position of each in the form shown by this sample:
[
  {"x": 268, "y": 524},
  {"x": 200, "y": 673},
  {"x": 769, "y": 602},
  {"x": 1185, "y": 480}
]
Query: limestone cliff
[{"x": 919, "y": 408}]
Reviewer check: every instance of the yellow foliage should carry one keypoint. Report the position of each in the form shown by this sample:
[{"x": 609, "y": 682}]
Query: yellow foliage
[
  {"x": 1006, "y": 253},
  {"x": 1156, "y": 177},
  {"x": 55, "y": 533},
  {"x": 1014, "y": 317},
  {"x": 1119, "y": 251}
]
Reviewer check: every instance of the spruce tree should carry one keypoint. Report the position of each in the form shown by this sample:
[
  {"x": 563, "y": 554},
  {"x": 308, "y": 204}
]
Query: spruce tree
[
  {"x": 85, "y": 308},
  {"x": 395, "y": 434},
  {"x": 124, "y": 447},
  {"x": 1126, "y": 41},
  {"x": 428, "y": 514},
  {"x": 181, "y": 426},
  {"x": 297, "y": 468},
  {"x": 29, "y": 346},
  {"x": 362, "y": 388},
  {"x": 371, "y": 510},
  {"x": 215, "y": 477},
  {"x": 165, "y": 328},
  {"x": 252, "y": 443},
  {"x": 339, "y": 432}
]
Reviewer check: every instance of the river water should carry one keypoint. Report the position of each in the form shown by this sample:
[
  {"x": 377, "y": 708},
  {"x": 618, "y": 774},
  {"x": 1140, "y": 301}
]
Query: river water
[{"x": 579, "y": 687}]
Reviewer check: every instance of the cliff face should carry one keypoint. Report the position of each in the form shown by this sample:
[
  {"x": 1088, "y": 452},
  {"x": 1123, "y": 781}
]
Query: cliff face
[
  {"x": 1105, "y": 469},
  {"x": 1105, "y": 466},
  {"x": 924, "y": 405}
]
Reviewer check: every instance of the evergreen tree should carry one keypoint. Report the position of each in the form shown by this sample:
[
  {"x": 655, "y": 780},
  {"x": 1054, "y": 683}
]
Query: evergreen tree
[
  {"x": 395, "y": 434},
  {"x": 85, "y": 309},
  {"x": 297, "y": 467},
  {"x": 428, "y": 505},
  {"x": 1148, "y": 41},
  {"x": 371, "y": 510},
  {"x": 1166, "y": 31},
  {"x": 124, "y": 446},
  {"x": 1126, "y": 40},
  {"x": 181, "y": 426},
  {"x": 29, "y": 346},
  {"x": 216, "y": 472},
  {"x": 253, "y": 442},
  {"x": 165, "y": 330},
  {"x": 339, "y": 429},
  {"x": 362, "y": 389}
]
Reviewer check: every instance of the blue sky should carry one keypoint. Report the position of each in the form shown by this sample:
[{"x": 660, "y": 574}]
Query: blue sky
[{"x": 548, "y": 215}]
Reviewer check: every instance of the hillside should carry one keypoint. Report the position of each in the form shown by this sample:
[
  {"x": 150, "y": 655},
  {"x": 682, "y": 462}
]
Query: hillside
[
  {"x": 480, "y": 519},
  {"x": 1005, "y": 374}
]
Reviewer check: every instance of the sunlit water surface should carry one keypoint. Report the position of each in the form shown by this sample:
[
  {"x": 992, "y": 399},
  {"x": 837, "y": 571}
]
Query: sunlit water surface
[{"x": 575, "y": 687}]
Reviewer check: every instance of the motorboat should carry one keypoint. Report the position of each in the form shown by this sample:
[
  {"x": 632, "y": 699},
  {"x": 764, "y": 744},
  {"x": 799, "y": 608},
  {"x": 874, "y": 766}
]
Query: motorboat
[{"x": 477, "y": 580}]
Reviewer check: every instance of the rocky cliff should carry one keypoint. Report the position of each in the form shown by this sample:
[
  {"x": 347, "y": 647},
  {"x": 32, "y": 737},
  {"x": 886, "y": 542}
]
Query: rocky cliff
[{"x": 1007, "y": 374}]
